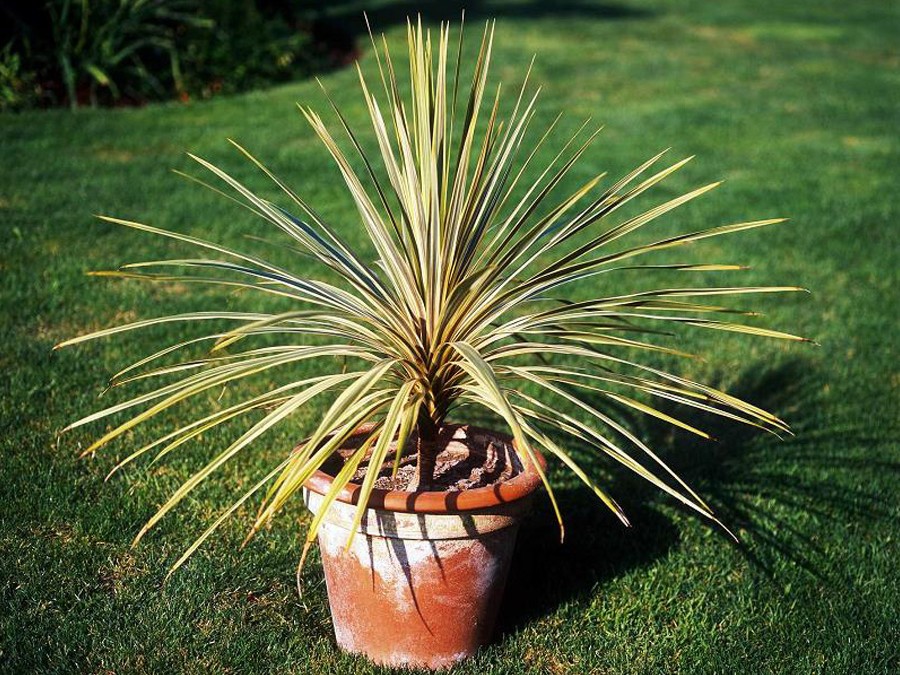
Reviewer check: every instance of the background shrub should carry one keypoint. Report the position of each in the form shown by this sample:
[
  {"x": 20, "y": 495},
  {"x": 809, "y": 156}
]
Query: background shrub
[
  {"x": 250, "y": 43},
  {"x": 17, "y": 85},
  {"x": 115, "y": 52}
]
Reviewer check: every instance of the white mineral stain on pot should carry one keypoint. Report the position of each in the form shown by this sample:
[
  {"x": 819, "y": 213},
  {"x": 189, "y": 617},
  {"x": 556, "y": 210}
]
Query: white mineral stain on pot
[{"x": 398, "y": 563}]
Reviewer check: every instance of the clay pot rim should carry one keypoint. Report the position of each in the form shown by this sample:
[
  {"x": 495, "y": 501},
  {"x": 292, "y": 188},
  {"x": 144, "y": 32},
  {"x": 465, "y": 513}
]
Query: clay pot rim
[{"x": 441, "y": 501}]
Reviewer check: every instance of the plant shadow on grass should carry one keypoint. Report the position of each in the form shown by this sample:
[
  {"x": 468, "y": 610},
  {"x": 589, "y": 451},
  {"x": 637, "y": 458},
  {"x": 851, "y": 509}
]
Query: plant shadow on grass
[{"x": 743, "y": 467}]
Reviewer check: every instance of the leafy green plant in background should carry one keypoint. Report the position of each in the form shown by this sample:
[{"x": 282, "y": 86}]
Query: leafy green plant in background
[
  {"x": 246, "y": 47},
  {"x": 463, "y": 306},
  {"x": 110, "y": 45},
  {"x": 17, "y": 85},
  {"x": 111, "y": 51}
]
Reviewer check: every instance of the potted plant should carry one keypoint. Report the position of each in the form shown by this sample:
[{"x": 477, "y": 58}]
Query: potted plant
[{"x": 462, "y": 307}]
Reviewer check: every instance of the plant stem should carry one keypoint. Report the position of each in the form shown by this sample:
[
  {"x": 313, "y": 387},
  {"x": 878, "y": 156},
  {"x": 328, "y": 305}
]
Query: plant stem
[{"x": 426, "y": 453}]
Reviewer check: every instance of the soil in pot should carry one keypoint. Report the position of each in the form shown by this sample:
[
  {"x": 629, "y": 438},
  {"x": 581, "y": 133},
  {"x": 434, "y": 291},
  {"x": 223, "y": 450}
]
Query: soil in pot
[{"x": 468, "y": 458}]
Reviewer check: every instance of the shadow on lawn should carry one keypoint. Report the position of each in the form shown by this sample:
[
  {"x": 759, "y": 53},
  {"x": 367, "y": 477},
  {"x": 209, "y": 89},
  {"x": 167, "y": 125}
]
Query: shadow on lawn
[
  {"x": 546, "y": 574},
  {"x": 796, "y": 478},
  {"x": 393, "y": 13}
]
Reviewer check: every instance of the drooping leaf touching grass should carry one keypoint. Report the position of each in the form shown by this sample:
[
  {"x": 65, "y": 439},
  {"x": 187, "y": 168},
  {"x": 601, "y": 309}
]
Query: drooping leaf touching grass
[{"x": 462, "y": 304}]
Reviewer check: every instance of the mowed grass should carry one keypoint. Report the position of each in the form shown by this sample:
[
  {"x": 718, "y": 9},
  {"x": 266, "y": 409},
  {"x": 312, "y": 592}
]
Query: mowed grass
[{"x": 794, "y": 104}]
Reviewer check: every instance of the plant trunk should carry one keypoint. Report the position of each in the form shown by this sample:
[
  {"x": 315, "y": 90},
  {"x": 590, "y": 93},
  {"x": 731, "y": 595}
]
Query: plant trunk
[{"x": 426, "y": 453}]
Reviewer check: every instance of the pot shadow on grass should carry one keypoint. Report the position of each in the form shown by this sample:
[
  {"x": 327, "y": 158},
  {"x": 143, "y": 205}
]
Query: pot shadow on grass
[
  {"x": 546, "y": 573},
  {"x": 743, "y": 468}
]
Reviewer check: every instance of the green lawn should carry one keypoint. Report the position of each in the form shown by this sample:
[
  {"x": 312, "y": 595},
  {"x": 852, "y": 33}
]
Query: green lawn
[{"x": 794, "y": 104}]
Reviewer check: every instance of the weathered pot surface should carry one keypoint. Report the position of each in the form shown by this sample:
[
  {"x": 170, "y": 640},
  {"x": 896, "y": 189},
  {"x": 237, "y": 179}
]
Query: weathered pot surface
[{"x": 421, "y": 582}]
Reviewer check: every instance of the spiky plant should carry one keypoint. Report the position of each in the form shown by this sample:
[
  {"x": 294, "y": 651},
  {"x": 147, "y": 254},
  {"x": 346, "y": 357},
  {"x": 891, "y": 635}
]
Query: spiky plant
[{"x": 461, "y": 307}]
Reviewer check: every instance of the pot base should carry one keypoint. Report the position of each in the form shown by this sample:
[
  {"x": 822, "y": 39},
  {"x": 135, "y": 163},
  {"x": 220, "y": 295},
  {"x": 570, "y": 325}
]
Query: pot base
[{"x": 406, "y": 602}]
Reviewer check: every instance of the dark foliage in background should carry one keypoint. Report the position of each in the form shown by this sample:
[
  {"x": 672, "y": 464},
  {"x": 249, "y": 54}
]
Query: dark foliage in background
[{"x": 127, "y": 52}]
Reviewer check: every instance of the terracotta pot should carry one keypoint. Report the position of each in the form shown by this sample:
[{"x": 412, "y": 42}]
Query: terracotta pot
[{"x": 423, "y": 578}]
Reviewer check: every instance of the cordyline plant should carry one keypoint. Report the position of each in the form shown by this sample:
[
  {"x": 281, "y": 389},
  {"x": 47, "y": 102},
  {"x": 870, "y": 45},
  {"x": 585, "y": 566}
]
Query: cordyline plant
[{"x": 461, "y": 307}]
